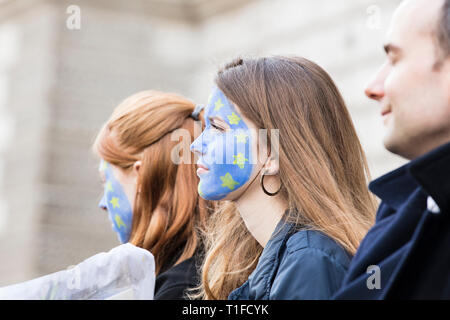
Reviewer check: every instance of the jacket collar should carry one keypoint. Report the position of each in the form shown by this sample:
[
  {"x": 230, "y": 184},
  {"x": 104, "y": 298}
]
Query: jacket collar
[
  {"x": 277, "y": 238},
  {"x": 269, "y": 259},
  {"x": 430, "y": 171}
]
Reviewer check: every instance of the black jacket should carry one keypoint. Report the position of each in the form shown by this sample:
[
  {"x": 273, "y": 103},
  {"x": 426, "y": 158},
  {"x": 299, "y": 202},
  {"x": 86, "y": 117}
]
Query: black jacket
[
  {"x": 410, "y": 241},
  {"x": 172, "y": 283}
]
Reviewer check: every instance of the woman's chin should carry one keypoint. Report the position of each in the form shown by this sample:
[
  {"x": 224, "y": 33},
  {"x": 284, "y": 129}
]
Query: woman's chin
[{"x": 214, "y": 197}]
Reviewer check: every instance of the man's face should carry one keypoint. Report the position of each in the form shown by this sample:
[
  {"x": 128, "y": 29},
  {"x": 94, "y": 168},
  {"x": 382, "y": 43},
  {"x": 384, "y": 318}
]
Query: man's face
[{"x": 413, "y": 93}]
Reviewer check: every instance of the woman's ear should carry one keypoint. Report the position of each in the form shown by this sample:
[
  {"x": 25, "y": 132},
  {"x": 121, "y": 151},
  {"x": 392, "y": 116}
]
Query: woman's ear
[
  {"x": 272, "y": 166},
  {"x": 135, "y": 171},
  {"x": 136, "y": 167}
]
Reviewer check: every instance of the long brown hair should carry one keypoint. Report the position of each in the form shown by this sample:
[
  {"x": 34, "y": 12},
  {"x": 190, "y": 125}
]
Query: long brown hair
[
  {"x": 323, "y": 169},
  {"x": 168, "y": 215}
]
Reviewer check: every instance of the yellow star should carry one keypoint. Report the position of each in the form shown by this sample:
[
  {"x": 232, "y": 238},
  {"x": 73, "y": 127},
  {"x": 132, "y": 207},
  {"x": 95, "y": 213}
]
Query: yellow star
[
  {"x": 218, "y": 105},
  {"x": 240, "y": 160},
  {"x": 241, "y": 137},
  {"x": 228, "y": 181},
  {"x": 234, "y": 119},
  {"x": 115, "y": 202},
  {"x": 109, "y": 186},
  {"x": 119, "y": 221}
]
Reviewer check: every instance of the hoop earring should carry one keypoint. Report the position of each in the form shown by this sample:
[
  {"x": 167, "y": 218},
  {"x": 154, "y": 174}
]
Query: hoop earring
[{"x": 265, "y": 190}]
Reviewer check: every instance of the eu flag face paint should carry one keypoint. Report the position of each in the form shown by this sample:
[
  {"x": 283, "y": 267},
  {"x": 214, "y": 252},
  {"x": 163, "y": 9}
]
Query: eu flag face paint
[
  {"x": 116, "y": 202},
  {"x": 225, "y": 153}
]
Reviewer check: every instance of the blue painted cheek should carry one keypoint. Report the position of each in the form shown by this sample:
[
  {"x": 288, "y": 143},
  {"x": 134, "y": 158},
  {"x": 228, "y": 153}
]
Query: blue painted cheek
[
  {"x": 231, "y": 170},
  {"x": 226, "y": 154},
  {"x": 118, "y": 207}
]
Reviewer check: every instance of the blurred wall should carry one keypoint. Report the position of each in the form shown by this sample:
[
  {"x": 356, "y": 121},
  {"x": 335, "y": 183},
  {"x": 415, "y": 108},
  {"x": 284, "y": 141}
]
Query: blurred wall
[{"x": 58, "y": 85}]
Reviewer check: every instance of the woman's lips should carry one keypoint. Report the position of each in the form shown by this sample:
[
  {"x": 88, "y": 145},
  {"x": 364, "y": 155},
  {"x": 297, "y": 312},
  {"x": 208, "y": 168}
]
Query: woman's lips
[{"x": 201, "y": 169}]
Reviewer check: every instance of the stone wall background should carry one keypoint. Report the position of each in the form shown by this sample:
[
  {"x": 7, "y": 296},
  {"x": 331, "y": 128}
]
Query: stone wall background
[{"x": 57, "y": 87}]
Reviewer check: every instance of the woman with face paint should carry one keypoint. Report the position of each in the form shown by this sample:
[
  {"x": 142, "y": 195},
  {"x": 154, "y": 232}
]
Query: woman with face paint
[
  {"x": 297, "y": 206},
  {"x": 152, "y": 201}
]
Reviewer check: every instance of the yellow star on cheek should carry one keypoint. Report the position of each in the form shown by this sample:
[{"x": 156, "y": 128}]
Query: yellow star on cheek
[
  {"x": 119, "y": 221},
  {"x": 234, "y": 119},
  {"x": 115, "y": 202},
  {"x": 241, "y": 137},
  {"x": 109, "y": 186},
  {"x": 228, "y": 181},
  {"x": 240, "y": 160},
  {"x": 218, "y": 105}
]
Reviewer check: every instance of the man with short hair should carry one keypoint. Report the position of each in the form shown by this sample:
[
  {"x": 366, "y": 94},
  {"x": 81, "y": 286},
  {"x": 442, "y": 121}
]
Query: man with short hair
[{"x": 406, "y": 254}]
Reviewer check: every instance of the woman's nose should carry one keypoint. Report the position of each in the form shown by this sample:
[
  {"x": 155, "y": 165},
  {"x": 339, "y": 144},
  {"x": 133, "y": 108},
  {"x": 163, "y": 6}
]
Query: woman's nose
[
  {"x": 198, "y": 145},
  {"x": 102, "y": 204}
]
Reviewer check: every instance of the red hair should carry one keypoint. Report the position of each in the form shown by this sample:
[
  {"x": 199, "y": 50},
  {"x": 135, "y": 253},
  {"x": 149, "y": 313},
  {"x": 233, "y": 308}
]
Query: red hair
[{"x": 168, "y": 214}]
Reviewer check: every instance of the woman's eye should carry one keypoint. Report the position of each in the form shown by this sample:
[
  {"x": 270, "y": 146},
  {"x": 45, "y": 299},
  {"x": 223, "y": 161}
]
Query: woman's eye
[{"x": 214, "y": 126}]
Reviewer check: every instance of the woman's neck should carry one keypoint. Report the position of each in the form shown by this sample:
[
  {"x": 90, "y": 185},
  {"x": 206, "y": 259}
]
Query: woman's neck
[{"x": 260, "y": 212}]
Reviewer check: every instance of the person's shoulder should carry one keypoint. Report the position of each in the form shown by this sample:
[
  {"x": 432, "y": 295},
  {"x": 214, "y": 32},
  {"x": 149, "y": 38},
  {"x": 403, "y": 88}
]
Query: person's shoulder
[
  {"x": 181, "y": 268},
  {"x": 172, "y": 283},
  {"x": 312, "y": 266},
  {"x": 316, "y": 243}
]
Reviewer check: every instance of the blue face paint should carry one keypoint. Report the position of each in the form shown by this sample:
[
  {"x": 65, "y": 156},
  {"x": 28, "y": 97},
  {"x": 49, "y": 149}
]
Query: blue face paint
[
  {"x": 227, "y": 155},
  {"x": 116, "y": 202}
]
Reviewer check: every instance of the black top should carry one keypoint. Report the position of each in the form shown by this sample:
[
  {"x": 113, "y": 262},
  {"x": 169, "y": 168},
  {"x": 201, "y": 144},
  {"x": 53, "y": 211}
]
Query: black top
[{"x": 172, "y": 283}]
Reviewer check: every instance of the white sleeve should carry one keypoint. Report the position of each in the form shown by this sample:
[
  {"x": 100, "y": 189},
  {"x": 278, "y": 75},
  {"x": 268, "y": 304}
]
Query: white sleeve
[{"x": 125, "y": 272}]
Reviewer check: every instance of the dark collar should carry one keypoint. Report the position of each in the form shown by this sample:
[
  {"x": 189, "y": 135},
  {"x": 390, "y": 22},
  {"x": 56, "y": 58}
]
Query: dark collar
[
  {"x": 278, "y": 237},
  {"x": 430, "y": 172},
  {"x": 269, "y": 259}
]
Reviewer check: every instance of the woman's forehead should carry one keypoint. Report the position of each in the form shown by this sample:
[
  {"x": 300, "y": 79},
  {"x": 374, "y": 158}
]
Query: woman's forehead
[
  {"x": 220, "y": 107},
  {"x": 217, "y": 102}
]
